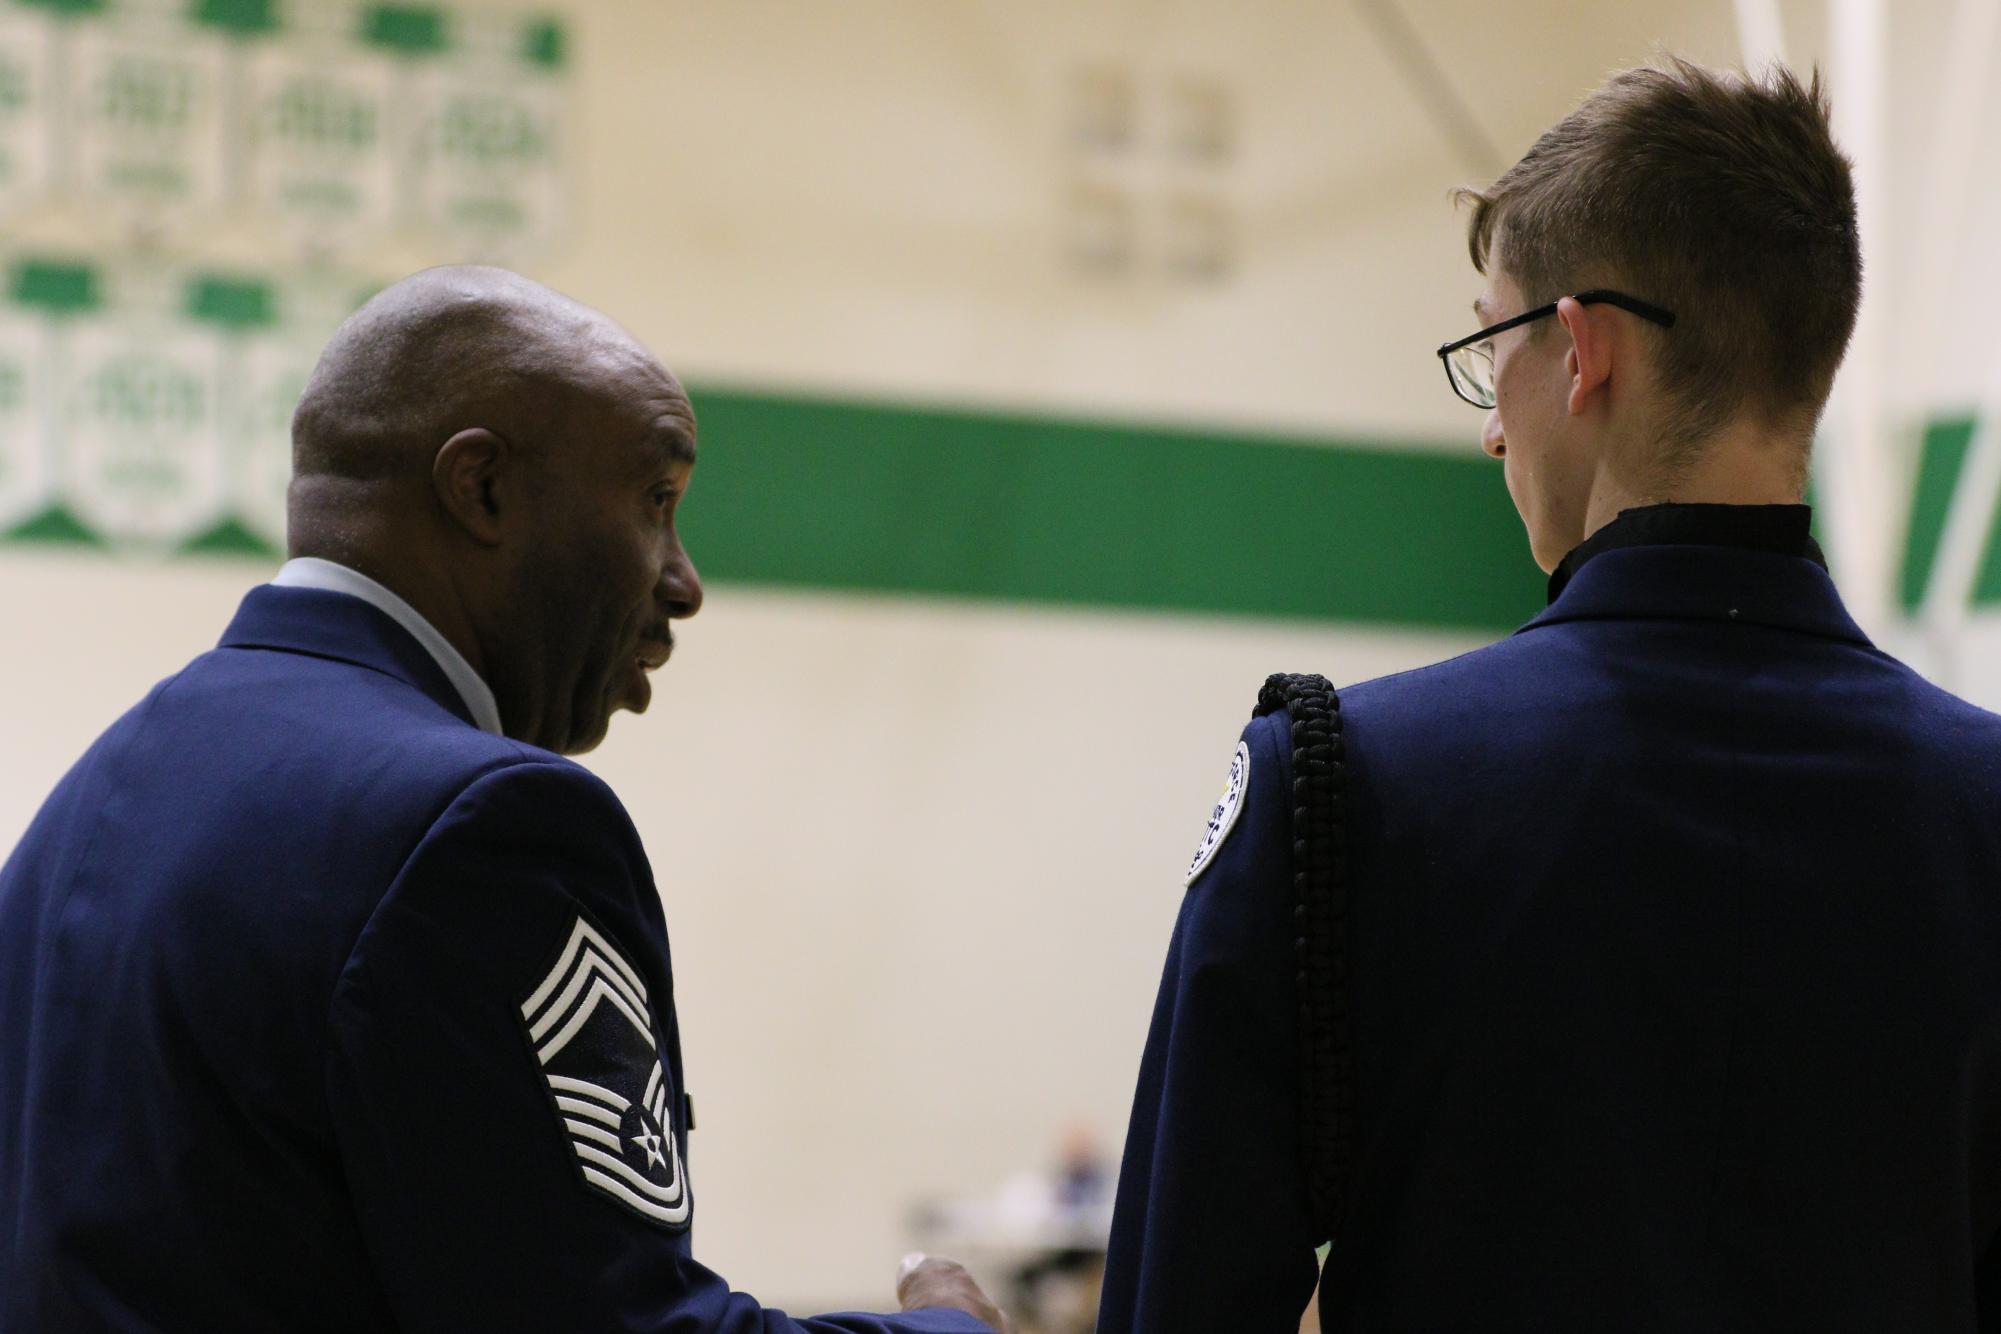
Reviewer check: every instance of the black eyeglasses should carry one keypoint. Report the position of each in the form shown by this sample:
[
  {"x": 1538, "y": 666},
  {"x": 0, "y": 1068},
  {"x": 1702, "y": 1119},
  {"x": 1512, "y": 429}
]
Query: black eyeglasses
[{"x": 1469, "y": 363}]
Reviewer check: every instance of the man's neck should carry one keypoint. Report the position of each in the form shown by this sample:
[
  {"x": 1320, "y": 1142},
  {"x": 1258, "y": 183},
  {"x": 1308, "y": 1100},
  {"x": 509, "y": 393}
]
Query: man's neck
[
  {"x": 419, "y": 581},
  {"x": 1742, "y": 465}
]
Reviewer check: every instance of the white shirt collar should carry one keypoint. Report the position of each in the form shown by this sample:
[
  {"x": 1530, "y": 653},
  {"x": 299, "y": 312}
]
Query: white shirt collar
[{"x": 312, "y": 572}]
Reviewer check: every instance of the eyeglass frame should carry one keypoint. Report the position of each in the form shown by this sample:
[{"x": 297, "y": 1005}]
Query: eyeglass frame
[{"x": 1646, "y": 310}]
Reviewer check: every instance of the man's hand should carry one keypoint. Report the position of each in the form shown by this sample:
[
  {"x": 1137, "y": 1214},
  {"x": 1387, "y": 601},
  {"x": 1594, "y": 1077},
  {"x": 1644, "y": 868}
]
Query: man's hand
[{"x": 925, "y": 1281}]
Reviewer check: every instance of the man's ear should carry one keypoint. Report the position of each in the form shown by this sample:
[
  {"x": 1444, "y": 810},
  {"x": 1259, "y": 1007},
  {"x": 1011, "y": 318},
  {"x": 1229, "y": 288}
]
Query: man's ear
[
  {"x": 471, "y": 476},
  {"x": 1589, "y": 359}
]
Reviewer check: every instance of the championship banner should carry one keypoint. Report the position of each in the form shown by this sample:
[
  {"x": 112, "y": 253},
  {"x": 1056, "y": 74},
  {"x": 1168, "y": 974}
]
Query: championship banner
[
  {"x": 489, "y": 167},
  {"x": 320, "y": 164},
  {"x": 25, "y": 480},
  {"x": 268, "y": 368},
  {"x": 146, "y": 110},
  {"x": 147, "y": 374},
  {"x": 26, "y": 120},
  {"x": 142, "y": 459}
]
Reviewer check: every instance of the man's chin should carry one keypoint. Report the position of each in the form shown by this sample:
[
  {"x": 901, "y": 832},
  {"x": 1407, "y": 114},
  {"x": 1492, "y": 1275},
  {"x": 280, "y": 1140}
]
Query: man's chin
[
  {"x": 592, "y": 735},
  {"x": 587, "y": 742},
  {"x": 586, "y": 734},
  {"x": 638, "y": 691}
]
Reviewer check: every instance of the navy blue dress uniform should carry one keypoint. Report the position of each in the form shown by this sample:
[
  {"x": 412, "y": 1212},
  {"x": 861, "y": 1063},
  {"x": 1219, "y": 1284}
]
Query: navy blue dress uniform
[
  {"x": 325, "y": 1009},
  {"x": 1642, "y": 972}
]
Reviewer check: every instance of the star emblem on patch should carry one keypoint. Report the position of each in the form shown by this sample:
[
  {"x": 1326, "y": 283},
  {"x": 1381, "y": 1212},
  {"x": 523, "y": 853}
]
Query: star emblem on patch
[{"x": 591, "y": 1029}]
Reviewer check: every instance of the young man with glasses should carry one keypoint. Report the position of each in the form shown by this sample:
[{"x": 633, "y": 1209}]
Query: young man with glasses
[{"x": 1641, "y": 971}]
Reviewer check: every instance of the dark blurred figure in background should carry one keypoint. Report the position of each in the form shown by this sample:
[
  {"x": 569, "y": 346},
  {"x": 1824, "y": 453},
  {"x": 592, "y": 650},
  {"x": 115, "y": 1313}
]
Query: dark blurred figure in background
[
  {"x": 1044, "y": 1228},
  {"x": 1065, "y": 1278},
  {"x": 1640, "y": 972}
]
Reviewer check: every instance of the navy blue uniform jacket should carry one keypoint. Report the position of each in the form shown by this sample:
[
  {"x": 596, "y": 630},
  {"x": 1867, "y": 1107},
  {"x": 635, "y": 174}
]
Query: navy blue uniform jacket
[
  {"x": 1674, "y": 957},
  {"x": 322, "y": 1009}
]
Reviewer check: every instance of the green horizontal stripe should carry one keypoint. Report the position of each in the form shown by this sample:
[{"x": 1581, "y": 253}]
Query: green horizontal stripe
[
  {"x": 826, "y": 494},
  {"x": 820, "y": 493}
]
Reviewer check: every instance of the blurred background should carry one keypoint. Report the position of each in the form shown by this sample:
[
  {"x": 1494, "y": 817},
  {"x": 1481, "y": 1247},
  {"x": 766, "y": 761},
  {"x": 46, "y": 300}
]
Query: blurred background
[{"x": 1063, "y": 369}]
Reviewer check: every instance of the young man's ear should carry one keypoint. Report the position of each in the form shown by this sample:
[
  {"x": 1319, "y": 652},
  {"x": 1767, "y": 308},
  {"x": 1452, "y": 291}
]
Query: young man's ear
[
  {"x": 470, "y": 476},
  {"x": 1589, "y": 360}
]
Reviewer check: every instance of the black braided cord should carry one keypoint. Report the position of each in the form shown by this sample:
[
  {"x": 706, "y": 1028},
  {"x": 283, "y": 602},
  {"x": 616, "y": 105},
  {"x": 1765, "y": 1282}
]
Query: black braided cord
[{"x": 1319, "y": 876}]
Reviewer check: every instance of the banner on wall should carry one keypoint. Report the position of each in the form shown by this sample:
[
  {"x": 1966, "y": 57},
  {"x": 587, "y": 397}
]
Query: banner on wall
[
  {"x": 26, "y": 448},
  {"x": 144, "y": 121},
  {"x": 489, "y": 157},
  {"x": 320, "y": 161},
  {"x": 151, "y": 409},
  {"x": 27, "y": 117},
  {"x": 146, "y": 387},
  {"x": 329, "y": 125}
]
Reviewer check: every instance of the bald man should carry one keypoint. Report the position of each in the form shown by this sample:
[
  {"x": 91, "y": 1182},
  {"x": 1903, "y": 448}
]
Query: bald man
[{"x": 334, "y": 997}]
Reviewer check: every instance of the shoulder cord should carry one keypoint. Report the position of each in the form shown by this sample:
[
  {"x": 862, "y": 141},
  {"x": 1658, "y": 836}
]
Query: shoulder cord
[{"x": 1319, "y": 875}]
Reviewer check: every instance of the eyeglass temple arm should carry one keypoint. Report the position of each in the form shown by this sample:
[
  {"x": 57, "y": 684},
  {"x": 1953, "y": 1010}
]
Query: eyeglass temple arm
[{"x": 1646, "y": 310}]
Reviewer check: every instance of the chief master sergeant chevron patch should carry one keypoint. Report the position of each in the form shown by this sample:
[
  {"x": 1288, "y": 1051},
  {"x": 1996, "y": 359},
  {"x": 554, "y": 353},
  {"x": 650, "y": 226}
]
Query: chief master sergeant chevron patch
[{"x": 592, "y": 1034}]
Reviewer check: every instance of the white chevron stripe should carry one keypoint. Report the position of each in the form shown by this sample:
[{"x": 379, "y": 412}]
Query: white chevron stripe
[
  {"x": 652, "y": 1082},
  {"x": 581, "y": 935},
  {"x": 677, "y": 1214},
  {"x": 590, "y": 966},
  {"x": 591, "y": 1132},
  {"x": 583, "y": 1088},
  {"x": 599, "y": 991},
  {"x": 668, "y": 1195},
  {"x": 577, "y": 1107}
]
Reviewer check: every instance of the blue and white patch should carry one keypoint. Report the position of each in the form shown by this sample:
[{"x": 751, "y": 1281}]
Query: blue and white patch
[
  {"x": 592, "y": 1034},
  {"x": 1224, "y": 818}
]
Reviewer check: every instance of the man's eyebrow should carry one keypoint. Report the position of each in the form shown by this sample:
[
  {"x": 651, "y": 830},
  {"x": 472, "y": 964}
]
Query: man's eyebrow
[{"x": 672, "y": 444}]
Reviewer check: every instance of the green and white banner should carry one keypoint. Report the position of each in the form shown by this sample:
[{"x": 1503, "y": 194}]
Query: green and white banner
[
  {"x": 27, "y": 117},
  {"x": 147, "y": 146},
  {"x": 142, "y": 456},
  {"x": 320, "y": 161},
  {"x": 150, "y": 409},
  {"x": 26, "y": 451},
  {"x": 327, "y": 125},
  {"x": 144, "y": 120},
  {"x": 490, "y": 151}
]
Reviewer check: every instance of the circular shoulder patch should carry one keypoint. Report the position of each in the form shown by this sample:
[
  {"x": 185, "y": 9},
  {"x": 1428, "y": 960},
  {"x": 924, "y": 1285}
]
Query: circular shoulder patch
[{"x": 1224, "y": 817}]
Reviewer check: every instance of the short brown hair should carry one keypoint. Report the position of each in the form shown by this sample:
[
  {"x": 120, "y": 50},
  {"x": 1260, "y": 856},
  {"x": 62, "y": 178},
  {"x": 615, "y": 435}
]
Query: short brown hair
[{"x": 1720, "y": 197}]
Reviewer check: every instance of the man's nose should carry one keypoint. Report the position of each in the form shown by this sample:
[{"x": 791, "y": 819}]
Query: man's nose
[
  {"x": 1491, "y": 439},
  {"x": 681, "y": 586}
]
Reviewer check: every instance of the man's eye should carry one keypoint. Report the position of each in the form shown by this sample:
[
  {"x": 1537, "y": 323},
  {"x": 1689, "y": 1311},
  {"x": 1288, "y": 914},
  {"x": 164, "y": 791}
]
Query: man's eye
[{"x": 663, "y": 496}]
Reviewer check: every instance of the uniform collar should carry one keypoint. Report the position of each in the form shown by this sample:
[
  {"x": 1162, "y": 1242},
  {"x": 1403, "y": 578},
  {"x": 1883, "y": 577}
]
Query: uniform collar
[
  {"x": 333, "y": 577},
  {"x": 1783, "y": 530},
  {"x": 1733, "y": 584},
  {"x": 323, "y": 623}
]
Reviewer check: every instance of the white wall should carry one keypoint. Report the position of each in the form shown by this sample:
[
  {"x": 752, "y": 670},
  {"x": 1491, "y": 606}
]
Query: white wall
[{"x": 868, "y": 195}]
